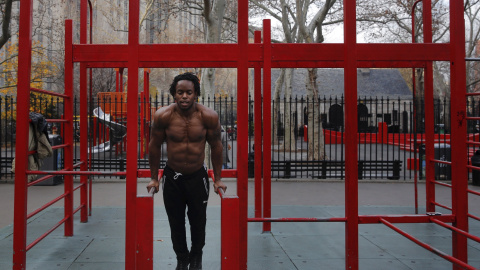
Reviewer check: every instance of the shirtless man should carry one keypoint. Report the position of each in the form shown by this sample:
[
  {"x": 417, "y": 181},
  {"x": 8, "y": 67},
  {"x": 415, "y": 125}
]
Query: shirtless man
[{"x": 186, "y": 126}]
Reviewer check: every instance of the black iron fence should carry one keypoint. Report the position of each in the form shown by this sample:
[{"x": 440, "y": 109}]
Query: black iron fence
[{"x": 307, "y": 134}]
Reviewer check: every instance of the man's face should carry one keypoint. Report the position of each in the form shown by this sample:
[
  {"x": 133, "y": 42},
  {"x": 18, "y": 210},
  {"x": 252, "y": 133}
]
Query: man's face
[{"x": 185, "y": 95}]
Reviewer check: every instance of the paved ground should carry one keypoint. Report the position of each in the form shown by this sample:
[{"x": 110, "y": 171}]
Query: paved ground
[{"x": 99, "y": 244}]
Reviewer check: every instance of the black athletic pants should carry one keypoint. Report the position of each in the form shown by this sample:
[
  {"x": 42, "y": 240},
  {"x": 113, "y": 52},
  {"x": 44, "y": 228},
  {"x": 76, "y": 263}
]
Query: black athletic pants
[{"x": 182, "y": 191}]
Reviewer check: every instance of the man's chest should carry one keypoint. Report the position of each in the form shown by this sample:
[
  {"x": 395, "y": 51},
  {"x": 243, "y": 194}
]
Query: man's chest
[{"x": 182, "y": 130}]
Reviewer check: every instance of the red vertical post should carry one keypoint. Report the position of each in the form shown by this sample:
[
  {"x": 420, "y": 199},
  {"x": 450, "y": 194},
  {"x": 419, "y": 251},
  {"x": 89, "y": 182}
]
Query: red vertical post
[
  {"x": 267, "y": 110},
  {"x": 351, "y": 139},
  {"x": 242, "y": 123},
  {"x": 229, "y": 241},
  {"x": 132, "y": 131},
  {"x": 148, "y": 110},
  {"x": 459, "y": 129},
  {"x": 142, "y": 119},
  {"x": 21, "y": 149},
  {"x": 257, "y": 104},
  {"x": 429, "y": 112},
  {"x": 83, "y": 125},
  {"x": 68, "y": 134},
  {"x": 144, "y": 245}
]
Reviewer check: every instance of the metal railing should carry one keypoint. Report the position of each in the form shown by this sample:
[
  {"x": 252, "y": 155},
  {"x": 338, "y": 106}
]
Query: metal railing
[{"x": 300, "y": 124}]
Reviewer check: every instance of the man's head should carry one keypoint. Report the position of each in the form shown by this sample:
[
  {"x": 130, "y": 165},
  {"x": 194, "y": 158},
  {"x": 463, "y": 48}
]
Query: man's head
[{"x": 188, "y": 76}]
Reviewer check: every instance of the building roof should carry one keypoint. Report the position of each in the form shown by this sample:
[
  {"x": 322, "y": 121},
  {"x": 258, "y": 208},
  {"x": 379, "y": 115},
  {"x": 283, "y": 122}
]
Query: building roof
[{"x": 370, "y": 83}]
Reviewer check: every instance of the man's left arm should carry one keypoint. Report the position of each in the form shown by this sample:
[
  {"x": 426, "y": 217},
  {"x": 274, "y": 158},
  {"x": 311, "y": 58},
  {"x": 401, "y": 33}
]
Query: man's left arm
[{"x": 214, "y": 139}]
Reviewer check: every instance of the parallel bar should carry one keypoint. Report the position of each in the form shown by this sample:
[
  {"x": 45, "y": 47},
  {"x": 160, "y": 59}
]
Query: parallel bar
[
  {"x": 441, "y": 161},
  {"x": 474, "y": 217},
  {"x": 144, "y": 233},
  {"x": 49, "y": 92},
  {"x": 428, "y": 247},
  {"x": 80, "y": 207},
  {"x": 46, "y": 234},
  {"x": 40, "y": 180}
]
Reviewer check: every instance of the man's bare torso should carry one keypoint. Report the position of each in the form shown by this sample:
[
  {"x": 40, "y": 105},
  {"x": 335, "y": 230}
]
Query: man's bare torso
[{"x": 186, "y": 137}]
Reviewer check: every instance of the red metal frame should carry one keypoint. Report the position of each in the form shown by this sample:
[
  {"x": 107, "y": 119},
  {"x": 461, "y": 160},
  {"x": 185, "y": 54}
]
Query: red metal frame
[{"x": 242, "y": 56}]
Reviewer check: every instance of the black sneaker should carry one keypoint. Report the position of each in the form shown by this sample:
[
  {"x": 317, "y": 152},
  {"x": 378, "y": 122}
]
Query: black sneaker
[
  {"x": 195, "y": 262},
  {"x": 182, "y": 265}
]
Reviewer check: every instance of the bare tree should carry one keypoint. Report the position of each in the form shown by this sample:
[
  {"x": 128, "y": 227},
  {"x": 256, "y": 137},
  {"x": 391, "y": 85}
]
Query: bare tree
[{"x": 6, "y": 11}]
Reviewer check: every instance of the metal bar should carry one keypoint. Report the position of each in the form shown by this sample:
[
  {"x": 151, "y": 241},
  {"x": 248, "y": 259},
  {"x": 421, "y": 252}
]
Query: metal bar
[
  {"x": 267, "y": 124},
  {"x": 350, "y": 54},
  {"x": 442, "y": 205},
  {"x": 78, "y": 187},
  {"x": 458, "y": 129},
  {"x": 23, "y": 106},
  {"x": 40, "y": 180},
  {"x": 258, "y": 132},
  {"x": 76, "y": 173},
  {"x": 46, "y": 205},
  {"x": 471, "y": 236},
  {"x": 46, "y": 92},
  {"x": 441, "y": 161},
  {"x": 441, "y": 184},
  {"x": 46, "y": 234},
  {"x": 473, "y": 191},
  {"x": 132, "y": 134},
  {"x": 428, "y": 247},
  {"x": 297, "y": 220},
  {"x": 474, "y": 217},
  {"x": 144, "y": 234},
  {"x": 375, "y": 219},
  {"x": 80, "y": 207}
]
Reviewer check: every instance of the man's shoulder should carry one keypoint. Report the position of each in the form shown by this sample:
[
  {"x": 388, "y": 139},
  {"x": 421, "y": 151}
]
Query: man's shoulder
[
  {"x": 164, "y": 112},
  {"x": 206, "y": 111}
]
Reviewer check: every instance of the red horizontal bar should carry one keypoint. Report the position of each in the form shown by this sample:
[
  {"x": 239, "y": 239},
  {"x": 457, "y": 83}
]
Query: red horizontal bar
[
  {"x": 76, "y": 173},
  {"x": 472, "y": 118},
  {"x": 39, "y": 180},
  {"x": 297, "y": 219},
  {"x": 46, "y": 234},
  {"x": 443, "y": 206},
  {"x": 79, "y": 186},
  {"x": 78, "y": 208},
  {"x": 57, "y": 120},
  {"x": 441, "y": 161},
  {"x": 78, "y": 164},
  {"x": 60, "y": 146},
  {"x": 473, "y": 167},
  {"x": 427, "y": 247},
  {"x": 474, "y": 217},
  {"x": 281, "y": 52},
  {"x": 404, "y": 219},
  {"x": 473, "y": 143},
  {"x": 46, "y": 205},
  {"x": 473, "y": 191},
  {"x": 48, "y": 92},
  {"x": 464, "y": 233},
  {"x": 442, "y": 184},
  {"x": 472, "y": 94}
]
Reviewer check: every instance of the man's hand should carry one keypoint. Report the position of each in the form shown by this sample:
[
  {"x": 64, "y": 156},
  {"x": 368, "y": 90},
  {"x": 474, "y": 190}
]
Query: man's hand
[
  {"x": 219, "y": 184},
  {"x": 153, "y": 184}
]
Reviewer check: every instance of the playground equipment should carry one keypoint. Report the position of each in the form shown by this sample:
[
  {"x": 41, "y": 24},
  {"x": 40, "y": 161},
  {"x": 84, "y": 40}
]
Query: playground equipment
[
  {"x": 262, "y": 54},
  {"x": 117, "y": 131}
]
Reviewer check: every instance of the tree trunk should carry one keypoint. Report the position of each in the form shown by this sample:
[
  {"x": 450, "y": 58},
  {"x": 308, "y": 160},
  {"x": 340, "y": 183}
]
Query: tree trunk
[
  {"x": 276, "y": 104},
  {"x": 316, "y": 142},
  {"x": 289, "y": 143}
]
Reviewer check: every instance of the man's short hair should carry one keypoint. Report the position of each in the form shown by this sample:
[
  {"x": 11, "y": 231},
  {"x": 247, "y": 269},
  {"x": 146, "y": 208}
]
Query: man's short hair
[{"x": 188, "y": 76}]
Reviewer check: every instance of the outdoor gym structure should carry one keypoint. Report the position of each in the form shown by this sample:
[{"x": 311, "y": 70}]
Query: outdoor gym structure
[{"x": 261, "y": 54}]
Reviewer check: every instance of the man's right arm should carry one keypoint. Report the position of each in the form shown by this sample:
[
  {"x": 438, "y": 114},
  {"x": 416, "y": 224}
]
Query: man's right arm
[{"x": 157, "y": 138}]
